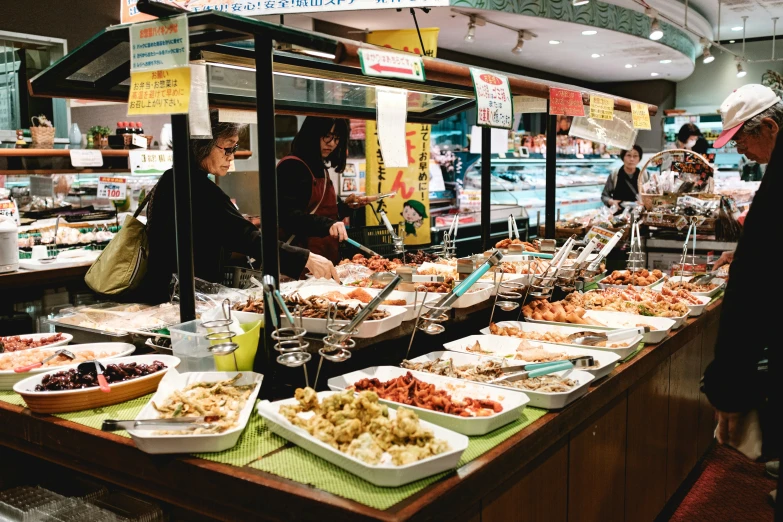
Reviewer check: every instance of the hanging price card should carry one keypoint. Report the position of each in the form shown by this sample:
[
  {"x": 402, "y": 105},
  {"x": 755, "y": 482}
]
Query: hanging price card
[
  {"x": 384, "y": 64},
  {"x": 112, "y": 188},
  {"x": 86, "y": 158},
  {"x": 150, "y": 161},
  {"x": 601, "y": 108},
  {"x": 160, "y": 92},
  {"x": 640, "y": 115},
  {"x": 563, "y": 102},
  {"x": 495, "y": 107}
]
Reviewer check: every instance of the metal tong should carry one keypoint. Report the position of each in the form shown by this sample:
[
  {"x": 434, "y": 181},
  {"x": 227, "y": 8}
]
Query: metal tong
[
  {"x": 175, "y": 424},
  {"x": 513, "y": 233},
  {"x": 593, "y": 338},
  {"x": 529, "y": 374},
  {"x": 399, "y": 245},
  {"x": 290, "y": 343},
  {"x": 635, "y": 256},
  {"x": 593, "y": 266},
  {"x": 449, "y": 299},
  {"x": 691, "y": 230},
  {"x": 581, "y": 361},
  {"x": 361, "y": 247}
]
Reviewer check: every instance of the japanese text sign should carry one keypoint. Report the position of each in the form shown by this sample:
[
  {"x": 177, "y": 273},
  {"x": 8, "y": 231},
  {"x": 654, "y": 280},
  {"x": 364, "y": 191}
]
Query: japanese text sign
[
  {"x": 8, "y": 209},
  {"x": 563, "y": 102},
  {"x": 384, "y": 64},
  {"x": 495, "y": 107},
  {"x": 150, "y": 161},
  {"x": 601, "y": 108},
  {"x": 641, "y": 116},
  {"x": 529, "y": 104},
  {"x": 160, "y": 92},
  {"x": 86, "y": 158},
  {"x": 161, "y": 44},
  {"x": 112, "y": 188}
]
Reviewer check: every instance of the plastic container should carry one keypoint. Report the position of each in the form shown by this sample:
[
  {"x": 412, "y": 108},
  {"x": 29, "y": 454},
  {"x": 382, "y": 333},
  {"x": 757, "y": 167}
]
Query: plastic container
[
  {"x": 28, "y": 503},
  {"x": 129, "y": 507},
  {"x": 188, "y": 342},
  {"x": 245, "y": 354}
]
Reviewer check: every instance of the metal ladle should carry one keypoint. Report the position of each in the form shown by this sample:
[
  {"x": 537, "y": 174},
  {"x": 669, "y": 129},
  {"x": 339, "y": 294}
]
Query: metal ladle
[
  {"x": 290, "y": 340},
  {"x": 225, "y": 348}
]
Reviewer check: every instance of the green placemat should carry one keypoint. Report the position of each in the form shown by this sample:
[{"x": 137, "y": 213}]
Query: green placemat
[
  {"x": 717, "y": 296},
  {"x": 632, "y": 354},
  {"x": 12, "y": 397},
  {"x": 299, "y": 465}
]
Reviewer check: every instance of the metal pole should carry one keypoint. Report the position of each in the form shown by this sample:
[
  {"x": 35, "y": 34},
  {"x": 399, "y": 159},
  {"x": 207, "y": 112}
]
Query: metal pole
[
  {"x": 267, "y": 184},
  {"x": 551, "y": 175},
  {"x": 183, "y": 216},
  {"x": 486, "y": 184}
]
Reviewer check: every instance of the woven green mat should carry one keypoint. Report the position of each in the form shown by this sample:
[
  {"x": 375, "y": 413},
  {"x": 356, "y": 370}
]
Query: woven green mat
[
  {"x": 255, "y": 442},
  {"x": 301, "y": 466},
  {"x": 717, "y": 296},
  {"x": 632, "y": 354}
]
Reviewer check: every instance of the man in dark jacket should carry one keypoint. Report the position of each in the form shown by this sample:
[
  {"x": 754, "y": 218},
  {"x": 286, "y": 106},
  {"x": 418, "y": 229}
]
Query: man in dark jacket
[{"x": 753, "y": 118}]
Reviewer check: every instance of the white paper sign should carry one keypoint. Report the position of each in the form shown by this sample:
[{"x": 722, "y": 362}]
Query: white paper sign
[
  {"x": 112, "y": 188},
  {"x": 139, "y": 141},
  {"x": 198, "y": 114},
  {"x": 529, "y": 104},
  {"x": 495, "y": 107},
  {"x": 237, "y": 116},
  {"x": 8, "y": 208},
  {"x": 618, "y": 132},
  {"x": 145, "y": 162},
  {"x": 385, "y": 64},
  {"x": 160, "y": 44},
  {"x": 498, "y": 143},
  {"x": 86, "y": 158},
  {"x": 392, "y": 113}
]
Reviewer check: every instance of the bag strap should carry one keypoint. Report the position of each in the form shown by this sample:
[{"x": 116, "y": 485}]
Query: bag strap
[
  {"x": 143, "y": 204},
  {"x": 326, "y": 181}
]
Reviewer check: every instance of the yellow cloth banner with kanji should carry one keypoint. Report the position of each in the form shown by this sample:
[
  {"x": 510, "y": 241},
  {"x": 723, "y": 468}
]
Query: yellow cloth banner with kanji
[{"x": 411, "y": 206}]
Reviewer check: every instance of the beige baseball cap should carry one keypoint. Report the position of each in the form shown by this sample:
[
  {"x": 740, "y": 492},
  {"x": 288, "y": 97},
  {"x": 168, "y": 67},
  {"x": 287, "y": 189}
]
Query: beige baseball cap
[{"x": 740, "y": 106}]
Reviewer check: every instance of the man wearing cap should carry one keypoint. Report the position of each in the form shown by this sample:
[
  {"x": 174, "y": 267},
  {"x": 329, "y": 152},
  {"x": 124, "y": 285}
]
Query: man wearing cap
[{"x": 752, "y": 118}]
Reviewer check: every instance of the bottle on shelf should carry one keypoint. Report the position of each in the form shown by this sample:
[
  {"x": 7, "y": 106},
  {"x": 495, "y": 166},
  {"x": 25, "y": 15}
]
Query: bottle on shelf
[
  {"x": 131, "y": 128},
  {"x": 120, "y": 128},
  {"x": 139, "y": 128}
]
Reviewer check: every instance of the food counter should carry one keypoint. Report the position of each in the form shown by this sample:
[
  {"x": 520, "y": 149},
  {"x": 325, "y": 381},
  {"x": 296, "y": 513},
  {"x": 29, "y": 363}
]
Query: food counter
[{"x": 618, "y": 453}]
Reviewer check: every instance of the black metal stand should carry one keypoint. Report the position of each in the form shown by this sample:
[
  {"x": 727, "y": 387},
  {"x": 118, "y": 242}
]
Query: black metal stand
[
  {"x": 551, "y": 175},
  {"x": 486, "y": 188},
  {"x": 183, "y": 216}
]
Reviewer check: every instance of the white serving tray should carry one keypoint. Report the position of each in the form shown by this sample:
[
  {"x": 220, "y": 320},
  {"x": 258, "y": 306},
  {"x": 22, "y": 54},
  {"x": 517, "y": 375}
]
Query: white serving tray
[
  {"x": 622, "y": 352},
  {"x": 697, "y": 310},
  {"x": 506, "y": 347},
  {"x": 548, "y": 401},
  {"x": 385, "y": 474},
  {"x": 366, "y": 329},
  {"x": 149, "y": 441},
  {"x": 67, "y": 339},
  {"x": 617, "y": 320},
  {"x": 477, "y": 293},
  {"x": 603, "y": 285},
  {"x": 513, "y": 402},
  {"x": 676, "y": 279},
  {"x": 9, "y": 377}
]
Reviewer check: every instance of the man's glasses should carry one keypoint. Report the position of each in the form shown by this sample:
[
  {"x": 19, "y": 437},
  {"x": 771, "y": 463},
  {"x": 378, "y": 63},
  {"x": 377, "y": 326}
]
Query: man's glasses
[
  {"x": 229, "y": 150},
  {"x": 329, "y": 138}
]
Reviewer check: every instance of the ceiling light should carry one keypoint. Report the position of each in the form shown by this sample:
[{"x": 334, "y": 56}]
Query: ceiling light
[
  {"x": 471, "y": 30},
  {"x": 628, "y": 66},
  {"x": 741, "y": 72},
  {"x": 589, "y": 33},
  {"x": 738, "y": 28},
  {"x": 655, "y": 30},
  {"x": 554, "y": 42},
  {"x": 577, "y": 3},
  {"x": 595, "y": 55},
  {"x": 732, "y": 41},
  {"x": 520, "y": 42},
  {"x": 666, "y": 61},
  {"x": 653, "y": 74},
  {"x": 707, "y": 57}
]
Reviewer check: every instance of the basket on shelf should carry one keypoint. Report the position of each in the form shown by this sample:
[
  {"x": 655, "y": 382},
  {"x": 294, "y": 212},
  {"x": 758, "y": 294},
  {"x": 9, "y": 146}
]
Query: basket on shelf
[
  {"x": 652, "y": 200},
  {"x": 563, "y": 232},
  {"x": 42, "y": 133}
]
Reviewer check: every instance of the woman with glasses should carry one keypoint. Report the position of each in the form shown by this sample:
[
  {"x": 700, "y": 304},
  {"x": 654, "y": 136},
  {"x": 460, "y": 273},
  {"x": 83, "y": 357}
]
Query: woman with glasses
[
  {"x": 310, "y": 211},
  {"x": 218, "y": 227}
]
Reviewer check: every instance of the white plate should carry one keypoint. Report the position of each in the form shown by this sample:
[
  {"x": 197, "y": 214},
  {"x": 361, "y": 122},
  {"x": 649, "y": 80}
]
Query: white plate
[
  {"x": 631, "y": 344},
  {"x": 720, "y": 282},
  {"x": 513, "y": 402},
  {"x": 9, "y": 377},
  {"x": 386, "y": 475},
  {"x": 506, "y": 348},
  {"x": 549, "y": 401},
  {"x": 616, "y": 320},
  {"x": 150, "y": 442},
  {"x": 67, "y": 338},
  {"x": 477, "y": 293}
]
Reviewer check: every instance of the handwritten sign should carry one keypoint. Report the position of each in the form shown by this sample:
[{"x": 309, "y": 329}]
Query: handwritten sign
[
  {"x": 161, "y": 44},
  {"x": 563, "y": 102},
  {"x": 495, "y": 106},
  {"x": 529, "y": 104},
  {"x": 641, "y": 116},
  {"x": 150, "y": 162},
  {"x": 384, "y": 64},
  {"x": 160, "y": 92},
  {"x": 601, "y": 108},
  {"x": 112, "y": 188},
  {"x": 86, "y": 158}
]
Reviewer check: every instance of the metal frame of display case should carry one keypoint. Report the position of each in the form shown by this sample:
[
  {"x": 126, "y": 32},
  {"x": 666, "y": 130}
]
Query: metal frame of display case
[{"x": 100, "y": 68}]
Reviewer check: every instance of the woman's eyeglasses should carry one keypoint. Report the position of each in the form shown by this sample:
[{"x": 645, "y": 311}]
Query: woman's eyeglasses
[
  {"x": 229, "y": 150},
  {"x": 329, "y": 138}
]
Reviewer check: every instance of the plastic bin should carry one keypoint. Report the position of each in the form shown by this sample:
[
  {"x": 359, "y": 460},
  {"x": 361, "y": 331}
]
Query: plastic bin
[
  {"x": 188, "y": 342},
  {"x": 375, "y": 238},
  {"x": 26, "y": 503},
  {"x": 239, "y": 277},
  {"x": 130, "y": 508}
]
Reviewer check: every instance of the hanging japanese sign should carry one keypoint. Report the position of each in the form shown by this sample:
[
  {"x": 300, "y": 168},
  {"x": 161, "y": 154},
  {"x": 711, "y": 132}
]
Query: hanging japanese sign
[
  {"x": 129, "y": 12},
  {"x": 529, "y": 105},
  {"x": 409, "y": 209},
  {"x": 641, "y": 116},
  {"x": 601, "y": 108},
  {"x": 495, "y": 107},
  {"x": 391, "y": 115},
  {"x": 563, "y": 102},
  {"x": 86, "y": 158},
  {"x": 160, "y": 92},
  {"x": 150, "y": 161},
  {"x": 382, "y": 64},
  {"x": 160, "y": 44},
  {"x": 112, "y": 188}
]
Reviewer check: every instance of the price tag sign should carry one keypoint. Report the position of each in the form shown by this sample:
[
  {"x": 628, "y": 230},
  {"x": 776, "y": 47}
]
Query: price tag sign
[
  {"x": 150, "y": 162},
  {"x": 494, "y": 104},
  {"x": 563, "y": 102},
  {"x": 602, "y": 234},
  {"x": 641, "y": 116},
  {"x": 601, "y": 108},
  {"x": 139, "y": 141},
  {"x": 160, "y": 44},
  {"x": 160, "y": 92},
  {"x": 112, "y": 188},
  {"x": 8, "y": 208},
  {"x": 385, "y": 64},
  {"x": 86, "y": 158}
]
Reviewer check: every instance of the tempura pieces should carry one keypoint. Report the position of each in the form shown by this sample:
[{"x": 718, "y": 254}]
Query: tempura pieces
[{"x": 359, "y": 426}]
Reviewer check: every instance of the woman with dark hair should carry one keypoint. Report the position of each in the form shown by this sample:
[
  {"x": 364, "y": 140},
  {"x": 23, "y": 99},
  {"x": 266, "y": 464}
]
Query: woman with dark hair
[
  {"x": 310, "y": 211},
  {"x": 218, "y": 228},
  {"x": 687, "y": 136},
  {"x": 622, "y": 185}
]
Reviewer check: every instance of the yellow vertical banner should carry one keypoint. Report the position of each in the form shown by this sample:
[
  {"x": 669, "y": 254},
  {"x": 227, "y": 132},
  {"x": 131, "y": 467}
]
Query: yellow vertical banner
[{"x": 411, "y": 206}]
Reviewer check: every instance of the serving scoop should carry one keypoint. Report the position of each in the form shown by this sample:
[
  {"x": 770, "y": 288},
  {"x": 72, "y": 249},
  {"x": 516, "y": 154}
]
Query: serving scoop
[
  {"x": 582, "y": 361},
  {"x": 88, "y": 366},
  {"x": 66, "y": 353},
  {"x": 593, "y": 338}
]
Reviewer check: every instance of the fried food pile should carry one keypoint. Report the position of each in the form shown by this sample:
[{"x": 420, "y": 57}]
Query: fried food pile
[
  {"x": 317, "y": 306},
  {"x": 24, "y": 357},
  {"x": 547, "y": 337},
  {"x": 488, "y": 370},
  {"x": 640, "y": 278},
  {"x": 439, "y": 288},
  {"x": 690, "y": 287},
  {"x": 529, "y": 247},
  {"x": 635, "y": 301},
  {"x": 15, "y": 343},
  {"x": 409, "y": 390},
  {"x": 255, "y": 306},
  {"x": 360, "y": 427},
  {"x": 559, "y": 312},
  {"x": 375, "y": 263},
  {"x": 419, "y": 257}
]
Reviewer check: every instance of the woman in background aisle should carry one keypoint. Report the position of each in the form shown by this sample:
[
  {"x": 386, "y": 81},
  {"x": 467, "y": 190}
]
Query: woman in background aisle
[
  {"x": 687, "y": 137},
  {"x": 622, "y": 185}
]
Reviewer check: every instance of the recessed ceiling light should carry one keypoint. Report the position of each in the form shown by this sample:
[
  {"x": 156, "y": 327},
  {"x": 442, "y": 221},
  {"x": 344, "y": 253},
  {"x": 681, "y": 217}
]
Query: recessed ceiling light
[
  {"x": 589, "y": 33},
  {"x": 595, "y": 55},
  {"x": 738, "y": 28},
  {"x": 653, "y": 74},
  {"x": 666, "y": 61},
  {"x": 554, "y": 42},
  {"x": 628, "y": 66},
  {"x": 732, "y": 41}
]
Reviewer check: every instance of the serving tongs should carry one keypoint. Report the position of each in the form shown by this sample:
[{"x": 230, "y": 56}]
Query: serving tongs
[
  {"x": 449, "y": 247},
  {"x": 592, "y": 268},
  {"x": 691, "y": 230},
  {"x": 88, "y": 366},
  {"x": 530, "y": 374},
  {"x": 66, "y": 353},
  {"x": 175, "y": 424},
  {"x": 544, "y": 283},
  {"x": 581, "y": 361},
  {"x": 593, "y": 338},
  {"x": 513, "y": 233},
  {"x": 399, "y": 244},
  {"x": 290, "y": 341},
  {"x": 704, "y": 279},
  {"x": 361, "y": 247},
  {"x": 636, "y": 260}
]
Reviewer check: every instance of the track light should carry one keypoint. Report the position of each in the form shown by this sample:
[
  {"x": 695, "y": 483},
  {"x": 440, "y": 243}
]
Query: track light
[
  {"x": 471, "y": 30},
  {"x": 520, "y": 42},
  {"x": 656, "y": 33},
  {"x": 577, "y": 3},
  {"x": 706, "y": 56},
  {"x": 741, "y": 72}
]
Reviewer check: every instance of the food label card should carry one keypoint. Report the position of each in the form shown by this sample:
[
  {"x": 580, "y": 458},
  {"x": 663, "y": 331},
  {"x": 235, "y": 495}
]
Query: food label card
[{"x": 112, "y": 188}]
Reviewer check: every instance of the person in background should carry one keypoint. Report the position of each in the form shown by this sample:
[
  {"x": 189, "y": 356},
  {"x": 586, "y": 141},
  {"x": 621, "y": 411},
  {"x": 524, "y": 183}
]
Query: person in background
[
  {"x": 310, "y": 211},
  {"x": 623, "y": 184},
  {"x": 753, "y": 118},
  {"x": 218, "y": 228},
  {"x": 687, "y": 137}
]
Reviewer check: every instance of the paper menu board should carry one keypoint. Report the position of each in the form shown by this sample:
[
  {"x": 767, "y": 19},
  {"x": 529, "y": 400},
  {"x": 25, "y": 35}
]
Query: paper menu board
[
  {"x": 618, "y": 132},
  {"x": 529, "y": 104},
  {"x": 386, "y": 64},
  {"x": 494, "y": 104},
  {"x": 160, "y": 92},
  {"x": 86, "y": 158}
]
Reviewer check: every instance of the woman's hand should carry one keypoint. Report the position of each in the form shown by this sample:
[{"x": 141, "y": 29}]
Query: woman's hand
[
  {"x": 338, "y": 231},
  {"x": 355, "y": 201},
  {"x": 730, "y": 428},
  {"x": 725, "y": 259},
  {"x": 321, "y": 267}
]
